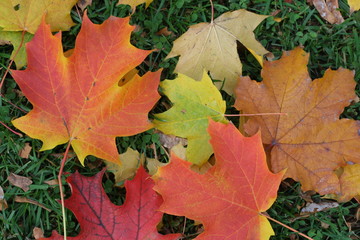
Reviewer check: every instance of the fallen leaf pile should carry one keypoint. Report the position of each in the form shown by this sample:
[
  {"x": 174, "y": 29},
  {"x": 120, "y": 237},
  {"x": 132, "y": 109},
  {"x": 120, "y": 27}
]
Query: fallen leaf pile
[{"x": 89, "y": 96}]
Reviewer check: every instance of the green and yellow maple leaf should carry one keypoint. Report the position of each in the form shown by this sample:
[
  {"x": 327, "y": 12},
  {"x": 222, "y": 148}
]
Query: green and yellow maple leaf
[
  {"x": 194, "y": 102},
  {"x": 17, "y": 16}
]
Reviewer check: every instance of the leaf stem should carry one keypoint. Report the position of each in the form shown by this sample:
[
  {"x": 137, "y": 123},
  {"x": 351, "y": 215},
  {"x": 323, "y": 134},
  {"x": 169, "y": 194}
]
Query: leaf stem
[
  {"x": 12, "y": 104},
  {"x": 61, "y": 188},
  {"x": 12, "y": 60},
  {"x": 13, "y": 131},
  {"x": 286, "y": 226},
  {"x": 253, "y": 114},
  {"x": 212, "y": 11}
]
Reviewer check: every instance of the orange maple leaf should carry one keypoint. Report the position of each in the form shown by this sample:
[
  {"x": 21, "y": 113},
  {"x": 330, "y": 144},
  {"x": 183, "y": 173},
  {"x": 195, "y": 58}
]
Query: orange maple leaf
[
  {"x": 78, "y": 99},
  {"x": 310, "y": 141},
  {"x": 230, "y": 196}
]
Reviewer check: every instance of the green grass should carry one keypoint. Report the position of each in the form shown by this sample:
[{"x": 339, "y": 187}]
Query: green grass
[{"x": 330, "y": 46}]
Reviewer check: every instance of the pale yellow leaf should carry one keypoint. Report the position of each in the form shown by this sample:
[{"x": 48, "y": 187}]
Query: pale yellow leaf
[
  {"x": 134, "y": 3},
  {"x": 354, "y": 5},
  {"x": 130, "y": 162},
  {"x": 213, "y": 47}
]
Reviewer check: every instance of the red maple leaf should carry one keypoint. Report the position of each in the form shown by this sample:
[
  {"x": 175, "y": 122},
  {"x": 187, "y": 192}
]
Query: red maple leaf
[
  {"x": 100, "y": 219},
  {"x": 230, "y": 196},
  {"x": 78, "y": 98}
]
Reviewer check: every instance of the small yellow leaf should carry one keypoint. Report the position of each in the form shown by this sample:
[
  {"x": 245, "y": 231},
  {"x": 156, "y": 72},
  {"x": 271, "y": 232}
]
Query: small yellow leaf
[
  {"x": 130, "y": 162},
  {"x": 354, "y": 5},
  {"x": 134, "y": 3}
]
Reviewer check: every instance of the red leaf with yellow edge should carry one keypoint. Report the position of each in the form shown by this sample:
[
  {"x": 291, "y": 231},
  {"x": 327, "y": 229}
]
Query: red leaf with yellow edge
[
  {"x": 230, "y": 196},
  {"x": 100, "y": 219},
  {"x": 78, "y": 99}
]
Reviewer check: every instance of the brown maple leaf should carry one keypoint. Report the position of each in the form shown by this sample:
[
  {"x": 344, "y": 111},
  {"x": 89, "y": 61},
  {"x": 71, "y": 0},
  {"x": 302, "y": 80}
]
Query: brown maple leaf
[{"x": 311, "y": 142}]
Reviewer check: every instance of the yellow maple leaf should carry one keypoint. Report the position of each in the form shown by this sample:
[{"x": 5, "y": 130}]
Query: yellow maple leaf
[
  {"x": 354, "y": 5},
  {"x": 134, "y": 3},
  {"x": 17, "y": 16},
  {"x": 212, "y": 46}
]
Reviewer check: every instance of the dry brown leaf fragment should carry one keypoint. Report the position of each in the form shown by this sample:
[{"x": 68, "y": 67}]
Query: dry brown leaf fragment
[
  {"x": 82, "y": 4},
  {"x": 25, "y": 151},
  {"x": 3, "y": 203},
  {"x": 318, "y": 207},
  {"x": 38, "y": 233},
  {"x": 165, "y": 31},
  {"x": 21, "y": 199},
  {"x": 20, "y": 181},
  {"x": 328, "y": 10},
  {"x": 53, "y": 182},
  {"x": 212, "y": 46},
  {"x": 169, "y": 141}
]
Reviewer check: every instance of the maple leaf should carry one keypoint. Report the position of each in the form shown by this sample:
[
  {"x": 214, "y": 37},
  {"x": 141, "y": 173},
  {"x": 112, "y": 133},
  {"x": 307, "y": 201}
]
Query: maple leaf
[
  {"x": 354, "y": 5},
  {"x": 328, "y": 10},
  {"x": 134, "y": 3},
  {"x": 212, "y": 46},
  {"x": 310, "y": 141},
  {"x": 228, "y": 198},
  {"x": 193, "y": 103},
  {"x": 78, "y": 99},
  {"x": 100, "y": 219},
  {"x": 25, "y": 15},
  {"x": 130, "y": 162}
]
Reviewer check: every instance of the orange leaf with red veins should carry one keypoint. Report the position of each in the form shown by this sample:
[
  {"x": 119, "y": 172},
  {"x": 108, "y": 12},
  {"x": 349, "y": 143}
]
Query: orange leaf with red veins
[
  {"x": 99, "y": 219},
  {"x": 310, "y": 141},
  {"x": 78, "y": 99},
  {"x": 230, "y": 196}
]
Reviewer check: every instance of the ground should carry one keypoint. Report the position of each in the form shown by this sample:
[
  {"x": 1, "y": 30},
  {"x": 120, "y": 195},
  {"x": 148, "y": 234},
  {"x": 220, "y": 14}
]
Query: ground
[{"x": 330, "y": 46}]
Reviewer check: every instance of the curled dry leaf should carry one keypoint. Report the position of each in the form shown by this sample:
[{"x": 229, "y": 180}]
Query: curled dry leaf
[
  {"x": 328, "y": 10},
  {"x": 38, "y": 233},
  {"x": 318, "y": 207},
  {"x": 212, "y": 47},
  {"x": 82, "y": 4},
  {"x": 21, "y": 199},
  {"x": 20, "y": 181},
  {"x": 25, "y": 151},
  {"x": 169, "y": 141},
  {"x": 310, "y": 141},
  {"x": 3, "y": 203}
]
